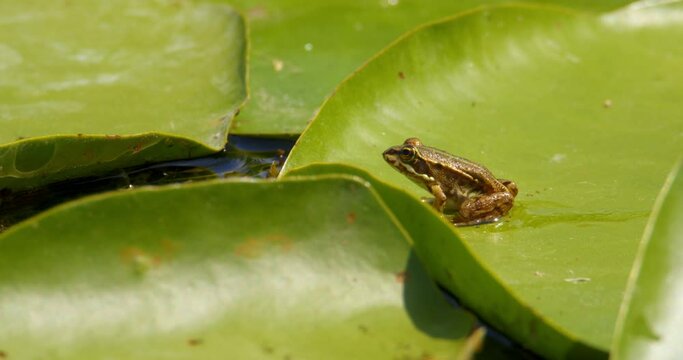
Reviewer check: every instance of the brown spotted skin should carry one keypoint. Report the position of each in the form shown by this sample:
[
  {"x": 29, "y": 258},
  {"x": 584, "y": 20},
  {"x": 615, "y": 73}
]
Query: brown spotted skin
[{"x": 456, "y": 183}]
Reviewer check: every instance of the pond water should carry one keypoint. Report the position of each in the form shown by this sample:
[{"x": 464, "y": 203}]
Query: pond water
[{"x": 242, "y": 157}]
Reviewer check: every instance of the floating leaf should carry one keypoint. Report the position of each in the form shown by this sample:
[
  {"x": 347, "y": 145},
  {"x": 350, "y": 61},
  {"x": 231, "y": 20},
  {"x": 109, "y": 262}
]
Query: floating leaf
[
  {"x": 91, "y": 86},
  {"x": 650, "y": 318},
  {"x": 455, "y": 260},
  {"x": 300, "y": 50},
  {"x": 580, "y": 111},
  {"x": 300, "y": 268}
]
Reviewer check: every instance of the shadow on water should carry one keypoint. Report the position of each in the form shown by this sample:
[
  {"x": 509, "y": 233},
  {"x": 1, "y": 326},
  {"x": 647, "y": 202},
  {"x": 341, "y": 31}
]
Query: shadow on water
[
  {"x": 426, "y": 306},
  {"x": 498, "y": 346},
  {"x": 242, "y": 157},
  {"x": 439, "y": 314}
]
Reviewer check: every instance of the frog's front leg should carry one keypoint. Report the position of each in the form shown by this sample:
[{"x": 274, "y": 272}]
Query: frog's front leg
[
  {"x": 484, "y": 208},
  {"x": 439, "y": 197}
]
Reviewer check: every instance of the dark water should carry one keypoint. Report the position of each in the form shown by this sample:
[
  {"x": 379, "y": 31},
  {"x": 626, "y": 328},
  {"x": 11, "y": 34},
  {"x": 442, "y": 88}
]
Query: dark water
[{"x": 242, "y": 157}]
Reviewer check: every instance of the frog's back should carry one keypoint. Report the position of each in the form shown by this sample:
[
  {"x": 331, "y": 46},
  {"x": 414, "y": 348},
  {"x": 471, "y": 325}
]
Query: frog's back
[{"x": 468, "y": 174}]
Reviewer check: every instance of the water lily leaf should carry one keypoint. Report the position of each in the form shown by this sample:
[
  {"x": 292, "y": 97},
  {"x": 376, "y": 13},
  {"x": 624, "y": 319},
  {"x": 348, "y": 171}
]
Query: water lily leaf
[
  {"x": 650, "y": 317},
  {"x": 300, "y": 50},
  {"x": 292, "y": 269},
  {"x": 557, "y": 102},
  {"x": 436, "y": 239},
  {"x": 91, "y": 85}
]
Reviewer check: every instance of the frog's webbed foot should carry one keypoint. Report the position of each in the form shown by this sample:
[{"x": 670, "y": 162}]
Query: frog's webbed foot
[
  {"x": 512, "y": 187},
  {"x": 484, "y": 209}
]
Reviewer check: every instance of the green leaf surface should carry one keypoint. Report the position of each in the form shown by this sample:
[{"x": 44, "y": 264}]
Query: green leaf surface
[
  {"x": 300, "y": 50},
  {"x": 302, "y": 268},
  {"x": 650, "y": 319},
  {"x": 89, "y": 85},
  {"x": 581, "y": 111},
  {"x": 456, "y": 264}
]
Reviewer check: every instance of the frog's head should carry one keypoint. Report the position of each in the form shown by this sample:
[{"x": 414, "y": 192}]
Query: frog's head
[{"x": 409, "y": 161}]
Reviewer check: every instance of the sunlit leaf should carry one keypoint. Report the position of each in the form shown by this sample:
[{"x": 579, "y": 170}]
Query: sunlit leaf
[
  {"x": 90, "y": 86},
  {"x": 300, "y": 50},
  {"x": 652, "y": 312},
  {"x": 581, "y": 111},
  {"x": 303, "y": 268}
]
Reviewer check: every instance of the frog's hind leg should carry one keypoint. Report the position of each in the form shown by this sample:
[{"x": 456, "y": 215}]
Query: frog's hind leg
[
  {"x": 512, "y": 187},
  {"x": 484, "y": 209}
]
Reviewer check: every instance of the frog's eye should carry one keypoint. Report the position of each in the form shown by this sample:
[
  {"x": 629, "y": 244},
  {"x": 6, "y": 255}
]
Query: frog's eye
[{"x": 407, "y": 153}]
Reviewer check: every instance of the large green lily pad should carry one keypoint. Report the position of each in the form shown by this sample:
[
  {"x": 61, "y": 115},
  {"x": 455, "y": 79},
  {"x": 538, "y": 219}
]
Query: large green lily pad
[
  {"x": 473, "y": 281},
  {"x": 92, "y": 85},
  {"x": 303, "y": 268},
  {"x": 300, "y": 50},
  {"x": 581, "y": 111},
  {"x": 650, "y": 318}
]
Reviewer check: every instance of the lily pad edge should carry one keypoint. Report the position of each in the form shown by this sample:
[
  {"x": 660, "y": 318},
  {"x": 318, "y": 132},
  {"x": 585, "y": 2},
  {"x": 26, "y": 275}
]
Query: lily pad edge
[
  {"x": 412, "y": 32},
  {"x": 457, "y": 237},
  {"x": 634, "y": 275}
]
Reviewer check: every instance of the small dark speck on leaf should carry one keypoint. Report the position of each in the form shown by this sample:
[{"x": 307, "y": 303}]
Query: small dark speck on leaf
[
  {"x": 363, "y": 328},
  {"x": 401, "y": 75},
  {"x": 351, "y": 218},
  {"x": 257, "y": 13},
  {"x": 403, "y": 346},
  {"x": 474, "y": 104},
  {"x": 20, "y": 138},
  {"x": 426, "y": 356},
  {"x": 401, "y": 277},
  {"x": 139, "y": 260},
  {"x": 268, "y": 349},
  {"x": 533, "y": 328},
  {"x": 607, "y": 103},
  {"x": 3, "y": 355},
  {"x": 195, "y": 342}
]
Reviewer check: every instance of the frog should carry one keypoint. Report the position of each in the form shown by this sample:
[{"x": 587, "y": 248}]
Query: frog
[{"x": 457, "y": 184}]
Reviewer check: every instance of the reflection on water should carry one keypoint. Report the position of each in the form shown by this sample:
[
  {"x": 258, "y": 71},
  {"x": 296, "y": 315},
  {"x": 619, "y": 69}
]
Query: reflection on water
[{"x": 243, "y": 156}]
